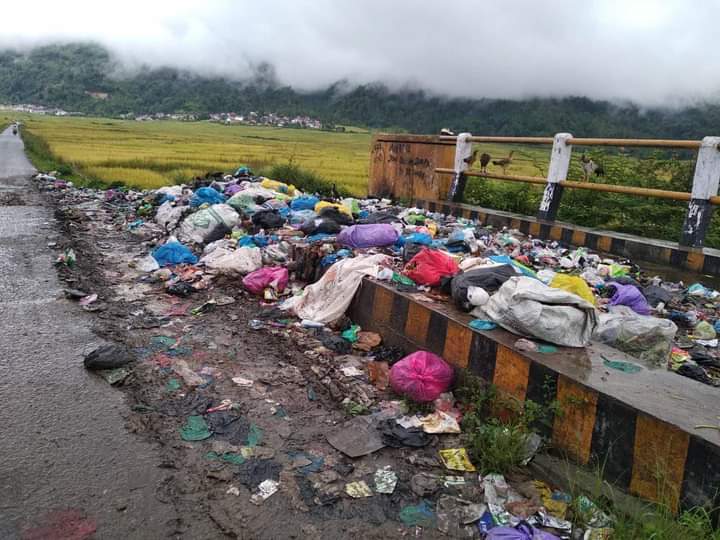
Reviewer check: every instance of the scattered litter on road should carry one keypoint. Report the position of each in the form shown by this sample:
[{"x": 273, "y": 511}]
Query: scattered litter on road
[{"x": 266, "y": 489}]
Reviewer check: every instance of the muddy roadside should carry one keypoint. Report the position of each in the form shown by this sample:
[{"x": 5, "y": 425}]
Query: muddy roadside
[{"x": 271, "y": 424}]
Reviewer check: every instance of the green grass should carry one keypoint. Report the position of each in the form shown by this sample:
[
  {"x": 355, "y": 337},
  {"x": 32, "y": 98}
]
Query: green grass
[{"x": 151, "y": 154}]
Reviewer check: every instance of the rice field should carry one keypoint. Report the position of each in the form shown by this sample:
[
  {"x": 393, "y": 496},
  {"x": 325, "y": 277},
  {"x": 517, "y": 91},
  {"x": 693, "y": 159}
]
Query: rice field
[{"x": 152, "y": 154}]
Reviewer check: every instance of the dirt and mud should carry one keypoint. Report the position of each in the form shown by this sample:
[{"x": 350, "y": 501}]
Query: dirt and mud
[{"x": 277, "y": 418}]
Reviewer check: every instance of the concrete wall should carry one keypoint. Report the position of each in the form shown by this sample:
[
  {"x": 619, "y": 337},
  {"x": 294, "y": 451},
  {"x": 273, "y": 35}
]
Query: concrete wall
[{"x": 404, "y": 166}]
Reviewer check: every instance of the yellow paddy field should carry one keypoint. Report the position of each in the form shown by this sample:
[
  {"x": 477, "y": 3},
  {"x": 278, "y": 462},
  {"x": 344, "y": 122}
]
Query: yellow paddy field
[{"x": 152, "y": 154}]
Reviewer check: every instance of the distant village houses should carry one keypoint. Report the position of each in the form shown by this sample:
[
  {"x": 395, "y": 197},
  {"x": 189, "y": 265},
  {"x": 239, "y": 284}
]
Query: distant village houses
[
  {"x": 38, "y": 109},
  {"x": 270, "y": 119}
]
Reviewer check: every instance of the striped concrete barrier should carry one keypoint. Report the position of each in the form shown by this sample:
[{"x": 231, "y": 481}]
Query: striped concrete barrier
[{"x": 639, "y": 428}]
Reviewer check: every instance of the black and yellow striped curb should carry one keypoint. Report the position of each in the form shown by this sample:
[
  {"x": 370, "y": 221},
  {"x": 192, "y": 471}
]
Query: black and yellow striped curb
[
  {"x": 702, "y": 260},
  {"x": 639, "y": 428}
]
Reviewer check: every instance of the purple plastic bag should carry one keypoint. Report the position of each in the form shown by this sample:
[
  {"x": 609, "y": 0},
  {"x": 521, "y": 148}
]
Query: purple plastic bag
[
  {"x": 365, "y": 236},
  {"x": 630, "y": 296},
  {"x": 232, "y": 189},
  {"x": 523, "y": 531}
]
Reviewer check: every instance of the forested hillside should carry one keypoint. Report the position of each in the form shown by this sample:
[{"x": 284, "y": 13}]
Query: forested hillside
[{"x": 62, "y": 75}]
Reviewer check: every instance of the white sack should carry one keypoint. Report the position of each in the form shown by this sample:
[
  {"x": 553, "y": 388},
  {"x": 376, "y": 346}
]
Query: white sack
[
  {"x": 527, "y": 307},
  {"x": 208, "y": 224},
  {"x": 239, "y": 261}
]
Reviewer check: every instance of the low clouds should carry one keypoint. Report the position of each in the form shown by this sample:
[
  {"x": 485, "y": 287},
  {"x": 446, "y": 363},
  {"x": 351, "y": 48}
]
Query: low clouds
[{"x": 651, "y": 52}]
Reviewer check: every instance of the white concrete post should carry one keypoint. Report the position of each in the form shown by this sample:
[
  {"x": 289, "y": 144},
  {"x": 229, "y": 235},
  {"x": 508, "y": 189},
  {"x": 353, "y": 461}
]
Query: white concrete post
[
  {"x": 557, "y": 172},
  {"x": 705, "y": 185},
  {"x": 463, "y": 151}
]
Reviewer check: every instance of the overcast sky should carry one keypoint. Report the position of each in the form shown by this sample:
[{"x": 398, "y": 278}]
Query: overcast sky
[{"x": 649, "y": 51}]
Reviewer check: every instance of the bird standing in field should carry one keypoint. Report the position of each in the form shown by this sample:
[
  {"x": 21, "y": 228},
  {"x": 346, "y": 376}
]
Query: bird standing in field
[
  {"x": 589, "y": 167},
  {"x": 484, "y": 160},
  {"x": 505, "y": 162}
]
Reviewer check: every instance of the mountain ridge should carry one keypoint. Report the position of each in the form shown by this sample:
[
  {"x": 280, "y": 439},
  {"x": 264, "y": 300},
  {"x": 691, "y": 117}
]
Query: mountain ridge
[{"x": 66, "y": 76}]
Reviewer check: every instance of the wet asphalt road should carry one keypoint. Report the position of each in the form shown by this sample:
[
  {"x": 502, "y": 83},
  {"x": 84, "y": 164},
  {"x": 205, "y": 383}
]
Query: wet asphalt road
[{"x": 63, "y": 444}]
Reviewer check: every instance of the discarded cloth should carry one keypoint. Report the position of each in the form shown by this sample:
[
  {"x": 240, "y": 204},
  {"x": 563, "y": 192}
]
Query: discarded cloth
[
  {"x": 489, "y": 279},
  {"x": 327, "y": 299}
]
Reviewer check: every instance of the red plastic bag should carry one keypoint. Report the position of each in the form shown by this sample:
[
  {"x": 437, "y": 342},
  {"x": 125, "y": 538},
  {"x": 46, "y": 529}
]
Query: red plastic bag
[
  {"x": 428, "y": 266},
  {"x": 276, "y": 276},
  {"x": 422, "y": 376}
]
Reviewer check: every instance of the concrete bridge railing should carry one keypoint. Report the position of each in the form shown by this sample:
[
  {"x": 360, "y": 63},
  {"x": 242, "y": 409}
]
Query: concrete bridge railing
[
  {"x": 436, "y": 168},
  {"x": 700, "y": 200}
]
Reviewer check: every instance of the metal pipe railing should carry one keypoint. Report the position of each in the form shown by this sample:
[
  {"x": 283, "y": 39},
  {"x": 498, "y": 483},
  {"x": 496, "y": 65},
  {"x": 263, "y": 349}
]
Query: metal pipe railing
[
  {"x": 606, "y": 188},
  {"x": 580, "y": 141},
  {"x": 509, "y": 177},
  {"x": 644, "y": 143},
  {"x": 704, "y": 195}
]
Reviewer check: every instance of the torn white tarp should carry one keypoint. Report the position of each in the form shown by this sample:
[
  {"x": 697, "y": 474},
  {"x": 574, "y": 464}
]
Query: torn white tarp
[{"x": 329, "y": 298}]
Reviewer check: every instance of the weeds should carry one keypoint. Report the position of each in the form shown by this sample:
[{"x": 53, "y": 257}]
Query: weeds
[{"x": 497, "y": 427}]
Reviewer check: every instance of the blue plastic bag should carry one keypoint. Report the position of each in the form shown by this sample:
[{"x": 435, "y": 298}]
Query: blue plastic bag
[
  {"x": 423, "y": 239},
  {"x": 206, "y": 195},
  {"x": 504, "y": 259},
  {"x": 174, "y": 253},
  {"x": 482, "y": 324},
  {"x": 306, "y": 202}
]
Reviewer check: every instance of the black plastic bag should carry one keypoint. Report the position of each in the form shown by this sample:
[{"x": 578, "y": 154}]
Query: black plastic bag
[
  {"x": 268, "y": 219},
  {"x": 489, "y": 279}
]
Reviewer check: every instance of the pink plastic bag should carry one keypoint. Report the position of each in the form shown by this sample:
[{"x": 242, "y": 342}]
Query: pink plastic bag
[
  {"x": 256, "y": 282},
  {"x": 428, "y": 266},
  {"x": 422, "y": 376}
]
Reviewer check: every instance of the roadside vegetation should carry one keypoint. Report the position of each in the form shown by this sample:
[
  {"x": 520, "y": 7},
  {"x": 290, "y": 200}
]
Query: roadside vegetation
[{"x": 495, "y": 430}]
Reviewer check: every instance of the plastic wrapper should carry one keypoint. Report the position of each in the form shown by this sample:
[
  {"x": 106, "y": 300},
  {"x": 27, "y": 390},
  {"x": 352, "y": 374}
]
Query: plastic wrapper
[{"x": 648, "y": 338}]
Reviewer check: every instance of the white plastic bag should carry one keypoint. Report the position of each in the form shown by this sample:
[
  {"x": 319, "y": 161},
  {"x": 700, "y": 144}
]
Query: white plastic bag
[
  {"x": 329, "y": 297},
  {"x": 168, "y": 216},
  {"x": 238, "y": 261},
  {"x": 208, "y": 224},
  {"x": 527, "y": 307}
]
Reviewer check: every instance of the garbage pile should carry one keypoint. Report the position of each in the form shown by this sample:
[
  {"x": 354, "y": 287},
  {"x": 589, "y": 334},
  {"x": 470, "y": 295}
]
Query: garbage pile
[
  {"x": 265, "y": 231},
  {"x": 300, "y": 259}
]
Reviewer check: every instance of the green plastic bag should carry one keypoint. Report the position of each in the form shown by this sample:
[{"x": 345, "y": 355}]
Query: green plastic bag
[
  {"x": 254, "y": 436},
  {"x": 403, "y": 280},
  {"x": 621, "y": 365},
  {"x": 420, "y": 515},
  {"x": 195, "y": 429},
  {"x": 351, "y": 334}
]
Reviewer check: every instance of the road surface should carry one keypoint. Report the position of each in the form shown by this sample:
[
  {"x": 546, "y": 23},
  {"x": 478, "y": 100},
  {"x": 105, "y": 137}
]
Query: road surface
[{"x": 64, "y": 450}]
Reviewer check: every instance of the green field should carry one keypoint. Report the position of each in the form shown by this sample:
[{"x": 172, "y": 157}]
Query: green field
[{"x": 152, "y": 154}]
